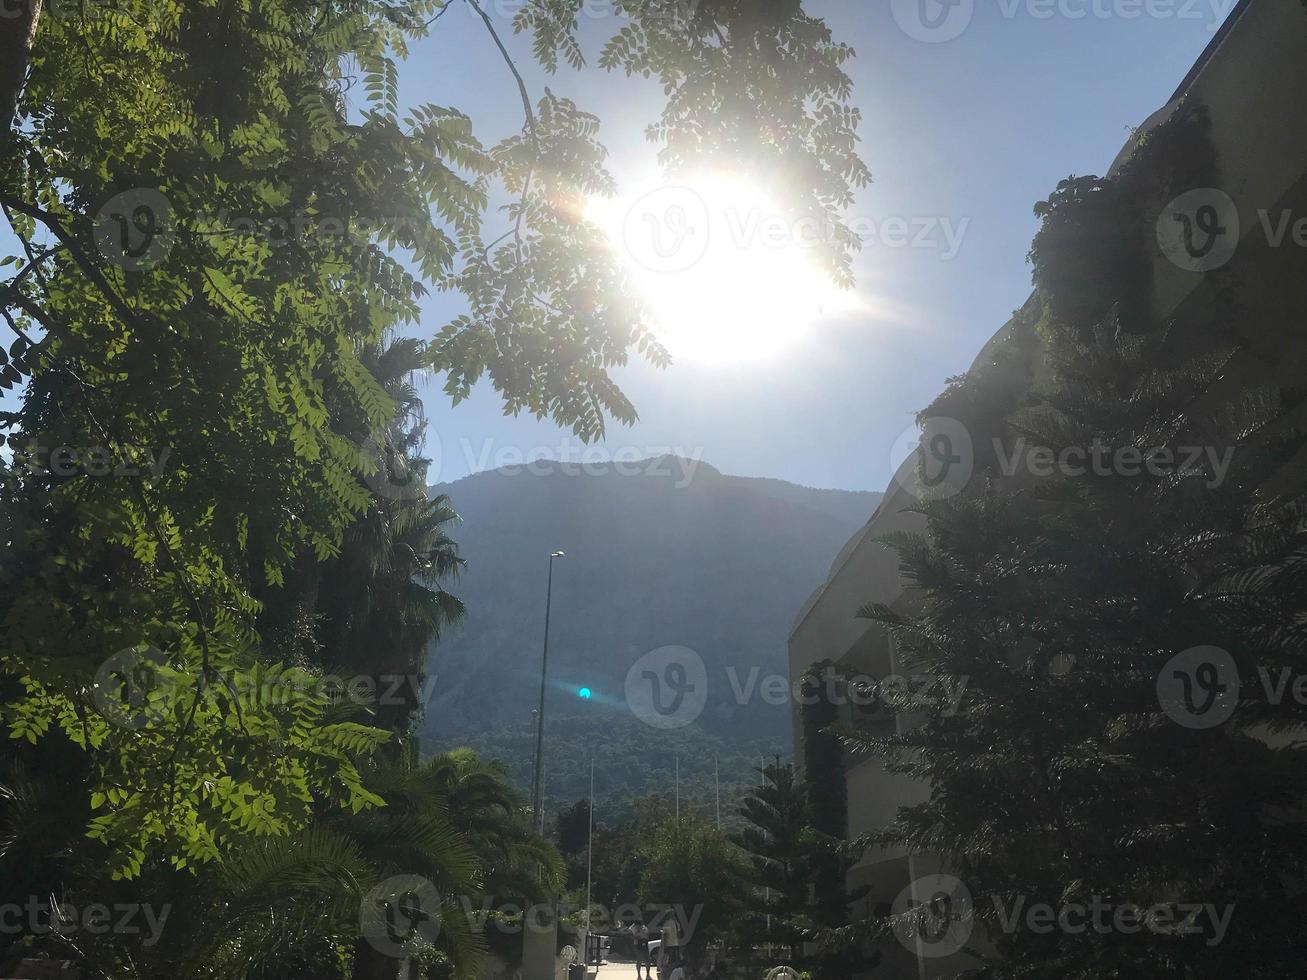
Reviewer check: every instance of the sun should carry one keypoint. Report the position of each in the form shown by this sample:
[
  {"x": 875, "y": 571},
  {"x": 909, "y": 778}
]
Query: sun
[{"x": 725, "y": 273}]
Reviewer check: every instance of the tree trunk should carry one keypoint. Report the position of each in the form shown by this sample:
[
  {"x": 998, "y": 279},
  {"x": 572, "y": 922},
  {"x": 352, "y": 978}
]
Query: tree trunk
[{"x": 18, "y": 19}]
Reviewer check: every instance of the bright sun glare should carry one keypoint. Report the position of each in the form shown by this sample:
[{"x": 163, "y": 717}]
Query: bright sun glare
[{"x": 726, "y": 276}]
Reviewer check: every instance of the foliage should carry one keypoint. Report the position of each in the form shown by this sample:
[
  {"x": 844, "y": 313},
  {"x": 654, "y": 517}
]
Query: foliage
[
  {"x": 692, "y": 865},
  {"x": 769, "y": 72},
  {"x": 773, "y": 839},
  {"x": 1062, "y": 601},
  {"x": 371, "y": 612},
  {"x": 621, "y": 850},
  {"x": 289, "y": 906},
  {"x": 268, "y": 370},
  {"x": 245, "y": 356},
  {"x": 634, "y": 762}
]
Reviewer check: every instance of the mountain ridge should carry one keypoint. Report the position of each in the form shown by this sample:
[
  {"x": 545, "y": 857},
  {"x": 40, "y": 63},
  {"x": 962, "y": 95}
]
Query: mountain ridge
[{"x": 666, "y": 551}]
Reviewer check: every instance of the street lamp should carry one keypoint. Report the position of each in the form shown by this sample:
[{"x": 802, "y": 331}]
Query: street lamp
[{"x": 536, "y": 814}]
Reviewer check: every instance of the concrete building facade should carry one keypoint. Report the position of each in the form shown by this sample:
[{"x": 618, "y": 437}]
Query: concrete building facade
[{"x": 1252, "y": 80}]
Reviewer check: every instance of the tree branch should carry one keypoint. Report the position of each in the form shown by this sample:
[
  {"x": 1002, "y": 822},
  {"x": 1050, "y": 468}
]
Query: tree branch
[
  {"x": 17, "y": 329},
  {"x": 52, "y": 327},
  {"x": 33, "y": 263},
  {"x": 69, "y": 242},
  {"x": 508, "y": 59},
  {"x": 27, "y": 245},
  {"x": 530, "y": 127}
]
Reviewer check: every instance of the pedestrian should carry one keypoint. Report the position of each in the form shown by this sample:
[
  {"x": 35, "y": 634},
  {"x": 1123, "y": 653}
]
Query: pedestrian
[{"x": 640, "y": 942}]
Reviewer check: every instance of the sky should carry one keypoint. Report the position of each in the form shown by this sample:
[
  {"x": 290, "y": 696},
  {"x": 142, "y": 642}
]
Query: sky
[
  {"x": 963, "y": 134},
  {"x": 972, "y": 111}
]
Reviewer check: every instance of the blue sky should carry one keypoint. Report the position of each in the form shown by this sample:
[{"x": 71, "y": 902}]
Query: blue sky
[
  {"x": 977, "y": 128},
  {"x": 969, "y": 131}
]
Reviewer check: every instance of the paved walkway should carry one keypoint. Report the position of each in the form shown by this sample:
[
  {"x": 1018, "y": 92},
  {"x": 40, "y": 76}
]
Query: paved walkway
[{"x": 618, "y": 971}]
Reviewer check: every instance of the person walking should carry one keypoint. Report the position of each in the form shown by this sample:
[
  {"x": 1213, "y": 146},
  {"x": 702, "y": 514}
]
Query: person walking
[{"x": 640, "y": 943}]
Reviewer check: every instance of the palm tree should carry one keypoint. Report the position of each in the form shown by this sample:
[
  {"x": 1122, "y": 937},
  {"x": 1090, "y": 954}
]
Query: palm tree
[
  {"x": 381, "y": 598},
  {"x": 373, "y": 609},
  {"x": 300, "y": 907}
]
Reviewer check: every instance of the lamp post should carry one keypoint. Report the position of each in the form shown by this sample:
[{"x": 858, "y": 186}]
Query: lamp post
[
  {"x": 589, "y": 864},
  {"x": 540, "y": 716}
]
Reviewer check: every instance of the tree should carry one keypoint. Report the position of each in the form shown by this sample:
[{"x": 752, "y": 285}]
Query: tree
[
  {"x": 225, "y": 221},
  {"x": 16, "y": 36},
  {"x": 572, "y": 835},
  {"x": 241, "y": 349},
  {"x": 694, "y": 869},
  {"x": 1068, "y": 602},
  {"x": 289, "y": 907},
  {"x": 371, "y": 612},
  {"x": 773, "y": 839}
]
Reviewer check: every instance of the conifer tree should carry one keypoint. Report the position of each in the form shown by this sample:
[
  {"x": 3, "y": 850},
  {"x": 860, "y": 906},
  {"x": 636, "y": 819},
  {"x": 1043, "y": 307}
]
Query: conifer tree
[
  {"x": 1115, "y": 747},
  {"x": 779, "y": 854}
]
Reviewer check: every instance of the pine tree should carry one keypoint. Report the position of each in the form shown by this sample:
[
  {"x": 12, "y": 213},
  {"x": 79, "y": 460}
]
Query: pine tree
[
  {"x": 1072, "y": 603},
  {"x": 774, "y": 840}
]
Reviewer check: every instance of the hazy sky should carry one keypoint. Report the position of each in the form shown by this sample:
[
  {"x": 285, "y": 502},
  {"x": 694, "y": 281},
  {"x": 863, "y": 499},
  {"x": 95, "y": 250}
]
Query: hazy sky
[{"x": 962, "y": 135}]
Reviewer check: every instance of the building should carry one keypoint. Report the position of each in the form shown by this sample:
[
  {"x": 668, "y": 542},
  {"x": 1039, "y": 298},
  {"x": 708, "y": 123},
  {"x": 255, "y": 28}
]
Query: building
[{"x": 1252, "y": 82}]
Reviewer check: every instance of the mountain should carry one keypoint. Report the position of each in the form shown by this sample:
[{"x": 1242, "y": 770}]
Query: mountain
[{"x": 664, "y": 552}]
